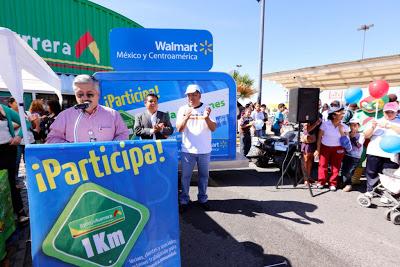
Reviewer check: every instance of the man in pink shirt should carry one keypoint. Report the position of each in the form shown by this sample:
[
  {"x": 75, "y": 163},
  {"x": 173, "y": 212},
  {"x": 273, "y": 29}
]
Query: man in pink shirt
[{"x": 90, "y": 122}]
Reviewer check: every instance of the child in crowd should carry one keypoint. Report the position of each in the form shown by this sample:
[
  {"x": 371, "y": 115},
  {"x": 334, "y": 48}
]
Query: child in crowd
[
  {"x": 352, "y": 157},
  {"x": 308, "y": 146},
  {"x": 246, "y": 123},
  {"x": 278, "y": 120}
]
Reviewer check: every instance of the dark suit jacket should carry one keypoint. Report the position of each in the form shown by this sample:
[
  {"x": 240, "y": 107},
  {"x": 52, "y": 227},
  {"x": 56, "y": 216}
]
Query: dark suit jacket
[{"x": 143, "y": 125}]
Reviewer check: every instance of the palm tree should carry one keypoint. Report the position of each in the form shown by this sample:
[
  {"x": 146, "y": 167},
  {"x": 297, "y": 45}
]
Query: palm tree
[{"x": 244, "y": 85}]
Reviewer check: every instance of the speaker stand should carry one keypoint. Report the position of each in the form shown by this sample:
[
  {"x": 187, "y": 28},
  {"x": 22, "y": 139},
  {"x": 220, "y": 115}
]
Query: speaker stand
[{"x": 298, "y": 160}]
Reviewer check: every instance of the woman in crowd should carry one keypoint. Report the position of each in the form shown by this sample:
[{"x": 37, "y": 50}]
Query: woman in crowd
[
  {"x": 35, "y": 115},
  {"x": 325, "y": 107},
  {"x": 324, "y": 112},
  {"x": 8, "y": 155},
  {"x": 54, "y": 109},
  {"x": 329, "y": 148},
  {"x": 246, "y": 123},
  {"x": 308, "y": 146},
  {"x": 377, "y": 159}
]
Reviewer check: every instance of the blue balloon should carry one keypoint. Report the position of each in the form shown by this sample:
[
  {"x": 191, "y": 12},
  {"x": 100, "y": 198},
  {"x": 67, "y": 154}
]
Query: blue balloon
[
  {"x": 390, "y": 143},
  {"x": 353, "y": 95}
]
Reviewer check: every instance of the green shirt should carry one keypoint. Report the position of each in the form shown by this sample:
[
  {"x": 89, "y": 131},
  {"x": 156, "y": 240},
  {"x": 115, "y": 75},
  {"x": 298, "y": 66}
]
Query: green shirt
[{"x": 13, "y": 116}]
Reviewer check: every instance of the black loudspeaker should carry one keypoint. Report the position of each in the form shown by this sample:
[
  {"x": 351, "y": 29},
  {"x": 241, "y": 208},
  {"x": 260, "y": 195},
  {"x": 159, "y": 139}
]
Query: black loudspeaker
[{"x": 303, "y": 104}]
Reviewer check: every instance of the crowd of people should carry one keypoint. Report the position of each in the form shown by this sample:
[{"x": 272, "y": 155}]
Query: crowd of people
[
  {"x": 39, "y": 117},
  {"x": 253, "y": 121},
  {"x": 88, "y": 121},
  {"x": 335, "y": 141}
]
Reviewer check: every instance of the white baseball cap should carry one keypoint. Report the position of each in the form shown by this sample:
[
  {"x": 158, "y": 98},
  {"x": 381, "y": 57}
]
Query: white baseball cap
[
  {"x": 192, "y": 88},
  {"x": 334, "y": 109},
  {"x": 355, "y": 120}
]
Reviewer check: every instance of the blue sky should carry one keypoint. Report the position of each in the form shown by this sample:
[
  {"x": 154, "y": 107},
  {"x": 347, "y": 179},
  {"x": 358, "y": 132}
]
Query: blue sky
[{"x": 298, "y": 33}]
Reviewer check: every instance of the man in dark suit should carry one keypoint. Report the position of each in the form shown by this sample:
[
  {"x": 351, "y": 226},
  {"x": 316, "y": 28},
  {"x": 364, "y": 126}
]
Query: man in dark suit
[{"x": 152, "y": 124}]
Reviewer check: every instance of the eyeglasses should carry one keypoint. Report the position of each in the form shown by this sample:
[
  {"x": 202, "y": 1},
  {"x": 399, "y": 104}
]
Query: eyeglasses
[{"x": 88, "y": 95}]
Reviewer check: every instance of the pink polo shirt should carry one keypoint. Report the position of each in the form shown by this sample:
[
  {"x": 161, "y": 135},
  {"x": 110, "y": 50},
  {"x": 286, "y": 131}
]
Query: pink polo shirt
[{"x": 104, "y": 124}]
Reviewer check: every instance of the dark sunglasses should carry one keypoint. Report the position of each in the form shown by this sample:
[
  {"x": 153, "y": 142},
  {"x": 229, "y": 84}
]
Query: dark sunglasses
[{"x": 89, "y": 95}]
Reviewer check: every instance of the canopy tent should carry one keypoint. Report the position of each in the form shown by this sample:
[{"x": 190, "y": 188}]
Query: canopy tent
[
  {"x": 343, "y": 75},
  {"x": 21, "y": 69}
]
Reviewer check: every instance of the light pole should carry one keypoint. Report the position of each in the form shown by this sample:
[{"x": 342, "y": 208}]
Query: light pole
[
  {"x": 238, "y": 66},
  {"x": 364, "y": 28},
  {"x": 260, "y": 66}
]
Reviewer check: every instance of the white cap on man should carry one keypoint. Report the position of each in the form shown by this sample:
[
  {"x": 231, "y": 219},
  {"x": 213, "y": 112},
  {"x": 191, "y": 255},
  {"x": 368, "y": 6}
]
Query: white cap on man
[
  {"x": 192, "y": 88},
  {"x": 355, "y": 121},
  {"x": 335, "y": 109}
]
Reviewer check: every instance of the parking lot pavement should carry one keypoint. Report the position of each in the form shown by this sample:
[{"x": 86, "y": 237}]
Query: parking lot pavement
[
  {"x": 266, "y": 226},
  {"x": 19, "y": 245},
  {"x": 251, "y": 223}
]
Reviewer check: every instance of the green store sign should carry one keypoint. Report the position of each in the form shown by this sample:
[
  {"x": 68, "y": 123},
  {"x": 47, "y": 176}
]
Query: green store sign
[{"x": 72, "y": 36}]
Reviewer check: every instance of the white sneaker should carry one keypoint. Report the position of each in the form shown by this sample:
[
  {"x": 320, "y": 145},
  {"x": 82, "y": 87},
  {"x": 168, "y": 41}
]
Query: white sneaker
[
  {"x": 385, "y": 200},
  {"x": 347, "y": 188},
  {"x": 332, "y": 188},
  {"x": 369, "y": 194},
  {"x": 23, "y": 219}
]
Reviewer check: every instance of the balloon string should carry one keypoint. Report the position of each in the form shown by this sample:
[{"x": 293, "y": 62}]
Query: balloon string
[{"x": 376, "y": 110}]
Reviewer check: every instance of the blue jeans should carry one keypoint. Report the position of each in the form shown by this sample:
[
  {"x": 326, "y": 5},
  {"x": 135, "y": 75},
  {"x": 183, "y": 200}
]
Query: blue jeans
[
  {"x": 349, "y": 165},
  {"x": 259, "y": 133},
  {"x": 245, "y": 143},
  {"x": 188, "y": 160},
  {"x": 277, "y": 132}
]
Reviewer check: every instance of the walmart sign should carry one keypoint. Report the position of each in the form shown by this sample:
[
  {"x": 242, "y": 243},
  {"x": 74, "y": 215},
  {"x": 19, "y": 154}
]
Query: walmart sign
[{"x": 161, "y": 49}]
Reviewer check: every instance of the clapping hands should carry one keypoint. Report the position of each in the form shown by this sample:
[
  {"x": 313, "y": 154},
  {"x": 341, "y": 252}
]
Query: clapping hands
[
  {"x": 158, "y": 127},
  {"x": 207, "y": 112}
]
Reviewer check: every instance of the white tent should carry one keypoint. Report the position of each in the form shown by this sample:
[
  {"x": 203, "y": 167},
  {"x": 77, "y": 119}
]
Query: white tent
[{"x": 22, "y": 69}]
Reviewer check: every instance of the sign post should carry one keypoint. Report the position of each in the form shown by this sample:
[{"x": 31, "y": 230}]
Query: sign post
[
  {"x": 165, "y": 62},
  {"x": 104, "y": 204},
  {"x": 138, "y": 49}
]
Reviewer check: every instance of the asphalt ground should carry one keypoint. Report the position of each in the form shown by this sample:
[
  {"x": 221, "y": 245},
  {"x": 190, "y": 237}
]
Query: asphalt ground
[{"x": 251, "y": 223}]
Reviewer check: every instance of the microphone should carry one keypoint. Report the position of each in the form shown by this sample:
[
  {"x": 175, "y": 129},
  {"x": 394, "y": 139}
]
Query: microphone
[{"x": 82, "y": 106}]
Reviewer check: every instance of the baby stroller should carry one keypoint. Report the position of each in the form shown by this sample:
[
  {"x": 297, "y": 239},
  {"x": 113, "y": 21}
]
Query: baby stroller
[{"x": 389, "y": 187}]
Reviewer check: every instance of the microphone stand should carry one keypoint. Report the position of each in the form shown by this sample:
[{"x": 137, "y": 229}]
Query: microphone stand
[{"x": 83, "y": 107}]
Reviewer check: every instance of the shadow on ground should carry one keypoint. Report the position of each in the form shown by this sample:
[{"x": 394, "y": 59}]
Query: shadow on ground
[
  {"x": 247, "y": 177},
  {"x": 205, "y": 243},
  {"x": 275, "y": 208}
]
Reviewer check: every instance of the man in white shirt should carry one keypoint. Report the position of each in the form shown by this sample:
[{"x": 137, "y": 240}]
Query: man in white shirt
[{"x": 196, "y": 122}]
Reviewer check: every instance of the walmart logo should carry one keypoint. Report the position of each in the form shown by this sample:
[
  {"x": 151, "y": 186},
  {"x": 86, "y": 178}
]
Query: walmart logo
[{"x": 206, "y": 48}]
